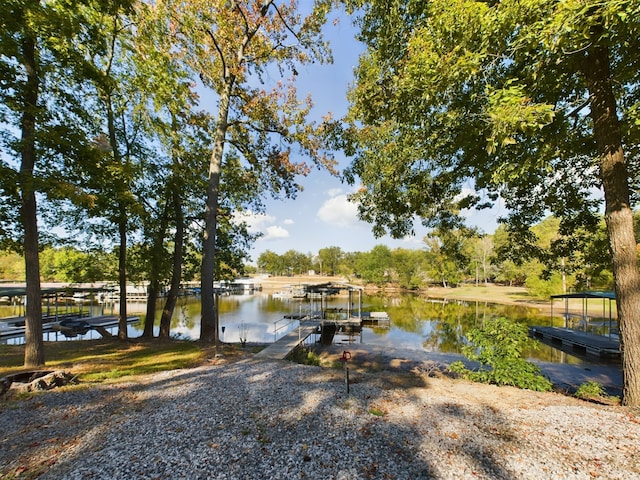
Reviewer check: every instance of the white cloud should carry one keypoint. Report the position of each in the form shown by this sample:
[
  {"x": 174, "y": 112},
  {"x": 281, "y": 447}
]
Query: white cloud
[
  {"x": 256, "y": 221},
  {"x": 275, "y": 232},
  {"x": 265, "y": 224},
  {"x": 288, "y": 221},
  {"x": 338, "y": 211}
]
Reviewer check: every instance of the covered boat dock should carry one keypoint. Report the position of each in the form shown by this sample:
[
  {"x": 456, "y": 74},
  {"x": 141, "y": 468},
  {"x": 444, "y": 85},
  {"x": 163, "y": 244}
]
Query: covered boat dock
[
  {"x": 595, "y": 335},
  {"x": 69, "y": 310},
  {"x": 586, "y": 322}
]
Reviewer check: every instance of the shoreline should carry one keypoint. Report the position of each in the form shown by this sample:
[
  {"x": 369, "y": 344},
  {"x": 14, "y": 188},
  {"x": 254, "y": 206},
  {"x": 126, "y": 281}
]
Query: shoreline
[{"x": 491, "y": 293}]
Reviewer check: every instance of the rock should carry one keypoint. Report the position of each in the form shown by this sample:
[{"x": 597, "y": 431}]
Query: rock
[{"x": 33, "y": 381}]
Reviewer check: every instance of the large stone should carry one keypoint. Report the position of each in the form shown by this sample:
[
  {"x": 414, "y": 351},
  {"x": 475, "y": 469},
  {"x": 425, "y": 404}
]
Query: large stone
[{"x": 37, "y": 380}]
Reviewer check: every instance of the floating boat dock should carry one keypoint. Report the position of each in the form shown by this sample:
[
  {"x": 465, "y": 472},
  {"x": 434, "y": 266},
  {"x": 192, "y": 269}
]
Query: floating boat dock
[
  {"x": 325, "y": 322},
  {"x": 580, "y": 342},
  {"x": 69, "y": 327},
  {"x": 326, "y": 329}
]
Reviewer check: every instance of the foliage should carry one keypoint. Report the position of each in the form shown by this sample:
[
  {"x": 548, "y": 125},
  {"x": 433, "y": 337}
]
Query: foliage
[
  {"x": 305, "y": 356},
  {"x": 11, "y": 266},
  {"x": 498, "y": 347},
  {"x": 235, "y": 50},
  {"x": 375, "y": 267},
  {"x": 429, "y": 87},
  {"x": 594, "y": 391},
  {"x": 407, "y": 267},
  {"x": 329, "y": 259},
  {"x": 74, "y": 266},
  {"x": 590, "y": 389},
  {"x": 446, "y": 255},
  {"x": 543, "y": 288}
]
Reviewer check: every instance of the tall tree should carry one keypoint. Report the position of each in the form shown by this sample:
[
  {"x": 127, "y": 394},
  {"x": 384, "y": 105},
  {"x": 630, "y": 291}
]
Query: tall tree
[
  {"x": 29, "y": 57},
  {"x": 233, "y": 47},
  {"x": 121, "y": 141},
  {"x": 375, "y": 266},
  {"x": 522, "y": 97},
  {"x": 42, "y": 121}
]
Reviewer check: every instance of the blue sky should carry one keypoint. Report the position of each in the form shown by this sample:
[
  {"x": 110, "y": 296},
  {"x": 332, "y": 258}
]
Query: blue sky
[{"x": 321, "y": 216}]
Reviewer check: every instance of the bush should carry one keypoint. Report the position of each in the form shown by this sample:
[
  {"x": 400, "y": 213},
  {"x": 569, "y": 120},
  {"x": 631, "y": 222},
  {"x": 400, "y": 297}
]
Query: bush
[
  {"x": 305, "y": 356},
  {"x": 590, "y": 390},
  {"x": 498, "y": 348}
]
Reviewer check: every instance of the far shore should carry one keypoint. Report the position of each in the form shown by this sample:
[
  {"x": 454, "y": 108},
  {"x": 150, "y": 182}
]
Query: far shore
[{"x": 490, "y": 293}]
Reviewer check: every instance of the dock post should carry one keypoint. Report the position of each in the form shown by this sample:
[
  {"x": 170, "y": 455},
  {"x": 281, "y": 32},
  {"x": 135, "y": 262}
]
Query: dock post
[{"x": 345, "y": 357}]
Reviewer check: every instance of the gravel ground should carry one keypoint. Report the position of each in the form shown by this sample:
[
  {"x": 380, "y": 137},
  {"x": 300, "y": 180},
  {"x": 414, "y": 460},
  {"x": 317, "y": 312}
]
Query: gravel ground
[{"x": 279, "y": 420}]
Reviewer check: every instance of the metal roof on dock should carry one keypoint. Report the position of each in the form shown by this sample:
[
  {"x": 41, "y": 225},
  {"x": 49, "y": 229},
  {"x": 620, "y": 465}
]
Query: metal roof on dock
[{"x": 593, "y": 294}]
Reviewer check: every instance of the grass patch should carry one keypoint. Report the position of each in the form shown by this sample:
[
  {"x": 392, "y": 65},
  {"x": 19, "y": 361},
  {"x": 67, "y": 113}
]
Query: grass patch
[
  {"x": 377, "y": 412},
  {"x": 100, "y": 360}
]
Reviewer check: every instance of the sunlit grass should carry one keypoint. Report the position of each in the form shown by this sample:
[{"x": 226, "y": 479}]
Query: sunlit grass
[{"x": 99, "y": 360}]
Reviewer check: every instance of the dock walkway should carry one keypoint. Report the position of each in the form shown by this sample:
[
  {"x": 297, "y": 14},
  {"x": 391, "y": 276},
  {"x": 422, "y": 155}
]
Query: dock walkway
[
  {"x": 283, "y": 346},
  {"x": 590, "y": 344}
]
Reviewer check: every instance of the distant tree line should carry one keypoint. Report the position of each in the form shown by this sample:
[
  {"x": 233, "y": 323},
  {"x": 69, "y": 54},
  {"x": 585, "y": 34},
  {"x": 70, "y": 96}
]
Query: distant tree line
[
  {"x": 447, "y": 258},
  {"x": 551, "y": 263}
]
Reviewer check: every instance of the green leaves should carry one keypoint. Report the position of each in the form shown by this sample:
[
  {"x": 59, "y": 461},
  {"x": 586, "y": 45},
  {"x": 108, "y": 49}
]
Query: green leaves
[
  {"x": 485, "y": 92},
  {"x": 510, "y": 113},
  {"x": 498, "y": 347}
]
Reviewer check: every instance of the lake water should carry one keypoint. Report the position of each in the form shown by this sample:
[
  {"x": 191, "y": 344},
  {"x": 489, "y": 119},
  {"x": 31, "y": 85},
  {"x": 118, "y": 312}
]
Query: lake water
[{"x": 416, "y": 323}]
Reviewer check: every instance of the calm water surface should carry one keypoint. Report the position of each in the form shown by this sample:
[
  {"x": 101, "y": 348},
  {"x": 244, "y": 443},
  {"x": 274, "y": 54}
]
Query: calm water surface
[{"x": 416, "y": 323}]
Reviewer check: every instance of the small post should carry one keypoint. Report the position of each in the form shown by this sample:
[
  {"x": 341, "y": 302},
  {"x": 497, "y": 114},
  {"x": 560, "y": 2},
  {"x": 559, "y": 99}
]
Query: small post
[{"x": 345, "y": 357}]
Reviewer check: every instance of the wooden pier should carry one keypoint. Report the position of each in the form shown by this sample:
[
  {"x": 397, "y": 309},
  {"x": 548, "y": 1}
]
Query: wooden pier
[
  {"x": 281, "y": 348},
  {"x": 580, "y": 342},
  {"x": 327, "y": 322},
  {"x": 327, "y": 329}
]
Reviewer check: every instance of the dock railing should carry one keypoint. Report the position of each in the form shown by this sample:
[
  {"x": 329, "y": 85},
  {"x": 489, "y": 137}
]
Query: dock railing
[
  {"x": 290, "y": 319},
  {"x": 278, "y": 326}
]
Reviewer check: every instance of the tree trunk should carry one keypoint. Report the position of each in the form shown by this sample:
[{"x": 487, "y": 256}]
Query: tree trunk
[
  {"x": 152, "y": 298},
  {"x": 209, "y": 326},
  {"x": 34, "y": 344},
  {"x": 122, "y": 276},
  {"x": 157, "y": 252},
  {"x": 618, "y": 216},
  {"x": 176, "y": 275},
  {"x": 122, "y": 224}
]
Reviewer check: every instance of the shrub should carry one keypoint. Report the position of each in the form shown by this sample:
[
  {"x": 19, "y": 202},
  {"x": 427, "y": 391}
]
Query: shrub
[
  {"x": 498, "y": 347},
  {"x": 305, "y": 356},
  {"x": 593, "y": 391}
]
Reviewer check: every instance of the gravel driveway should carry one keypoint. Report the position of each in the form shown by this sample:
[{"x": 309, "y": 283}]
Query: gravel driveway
[{"x": 279, "y": 420}]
